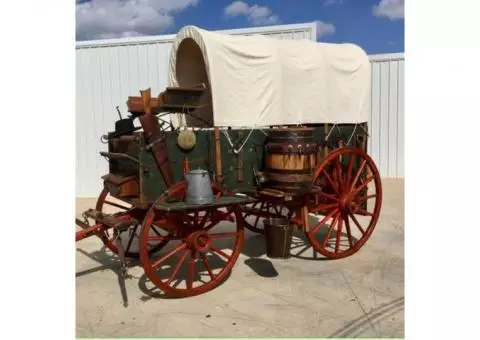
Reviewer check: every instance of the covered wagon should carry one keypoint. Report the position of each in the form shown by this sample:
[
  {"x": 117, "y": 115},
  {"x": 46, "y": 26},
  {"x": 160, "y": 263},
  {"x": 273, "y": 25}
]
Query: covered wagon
[{"x": 250, "y": 129}]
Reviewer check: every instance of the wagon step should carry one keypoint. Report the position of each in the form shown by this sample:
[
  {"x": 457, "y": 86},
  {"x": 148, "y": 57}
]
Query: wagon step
[
  {"x": 110, "y": 220},
  {"x": 102, "y": 221}
]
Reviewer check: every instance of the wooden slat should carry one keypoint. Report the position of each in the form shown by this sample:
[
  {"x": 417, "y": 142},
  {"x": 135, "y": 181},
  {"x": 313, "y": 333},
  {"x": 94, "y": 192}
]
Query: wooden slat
[{"x": 219, "y": 202}]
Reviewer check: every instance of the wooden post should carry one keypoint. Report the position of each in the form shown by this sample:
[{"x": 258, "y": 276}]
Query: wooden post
[
  {"x": 240, "y": 162},
  {"x": 240, "y": 166},
  {"x": 305, "y": 218},
  {"x": 218, "y": 155}
]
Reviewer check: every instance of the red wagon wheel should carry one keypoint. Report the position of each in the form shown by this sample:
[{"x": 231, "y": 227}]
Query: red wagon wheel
[
  {"x": 109, "y": 205},
  {"x": 254, "y": 221},
  {"x": 347, "y": 209},
  {"x": 205, "y": 249}
]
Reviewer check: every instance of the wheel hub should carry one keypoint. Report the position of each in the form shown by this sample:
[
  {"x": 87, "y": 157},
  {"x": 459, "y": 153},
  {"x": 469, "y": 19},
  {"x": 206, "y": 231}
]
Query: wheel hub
[
  {"x": 345, "y": 203},
  {"x": 199, "y": 241}
]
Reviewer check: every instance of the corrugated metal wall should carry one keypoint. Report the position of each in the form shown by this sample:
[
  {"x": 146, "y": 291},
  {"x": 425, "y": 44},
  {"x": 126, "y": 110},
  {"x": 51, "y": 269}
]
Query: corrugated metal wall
[
  {"x": 110, "y": 71},
  {"x": 387, "y": 117}
]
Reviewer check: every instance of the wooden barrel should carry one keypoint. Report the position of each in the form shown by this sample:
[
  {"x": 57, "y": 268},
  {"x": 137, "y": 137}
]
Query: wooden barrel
[{"x": 290, "y": 159}]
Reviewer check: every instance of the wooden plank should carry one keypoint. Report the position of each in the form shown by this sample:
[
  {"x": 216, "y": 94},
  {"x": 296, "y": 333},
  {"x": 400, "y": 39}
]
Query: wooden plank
[{"x": 217, "y": 203}]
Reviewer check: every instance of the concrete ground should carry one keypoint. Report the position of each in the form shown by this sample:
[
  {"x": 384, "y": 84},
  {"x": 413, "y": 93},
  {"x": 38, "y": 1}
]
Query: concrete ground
[{"x": 359, "y": 296}]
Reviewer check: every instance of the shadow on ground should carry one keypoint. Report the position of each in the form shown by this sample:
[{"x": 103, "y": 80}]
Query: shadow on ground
[{"x": 254, "y": 248}]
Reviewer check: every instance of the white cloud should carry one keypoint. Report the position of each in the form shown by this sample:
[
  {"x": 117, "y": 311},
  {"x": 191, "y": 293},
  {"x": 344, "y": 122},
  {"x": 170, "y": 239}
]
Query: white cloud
[
  {"x": 392, "y": 9},
  {"x": 324, "y": 28},
  {"x": 103, "y": 19},
  {"x": 255, "y": 14},
  {"x": 332, "y": 2}
]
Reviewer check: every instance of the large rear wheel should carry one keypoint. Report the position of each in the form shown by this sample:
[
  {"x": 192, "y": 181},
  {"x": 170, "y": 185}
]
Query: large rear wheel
[{"x": 344, "y": 214}]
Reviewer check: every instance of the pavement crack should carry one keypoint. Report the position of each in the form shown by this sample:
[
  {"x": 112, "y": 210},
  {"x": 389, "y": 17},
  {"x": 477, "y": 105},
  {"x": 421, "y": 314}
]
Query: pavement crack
[{"x": 359, "y": 303}]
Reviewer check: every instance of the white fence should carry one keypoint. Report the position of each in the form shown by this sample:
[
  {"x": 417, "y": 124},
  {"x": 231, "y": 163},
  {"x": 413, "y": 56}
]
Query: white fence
[{"x": 110, "y": 71}]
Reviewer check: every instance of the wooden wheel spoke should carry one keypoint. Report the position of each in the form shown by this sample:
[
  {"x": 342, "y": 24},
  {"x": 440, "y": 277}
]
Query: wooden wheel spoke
[
  {"x": 220, "y": 252},
  {"x": 319, "y": 224},
  {"x": 357, "y": 176},
  {"x": 361, "y": 211},
  {"x": 324, "y": 207},
  {"x": 249, "y": 213},
  {"x": 349, "y": 232},
  {"x": 214, "y": 221},
  {"x": 364, "y": 198},
  {"x": 332, "y": 183},
  {"x": 331, "y": 197},
  {"x": 177, "y": 267},
  {"x": 207, "y": 266},
  {"x": 258, "y": 217},
  {"x": 329, "y": 232},
  {"x": 338, "y": 168},
  {"x": 169, "y": 254},
  {"x": 191, "y": 270},
  {"x": 339, "y": 234},
  {"x": 362, "y": 186},
  {"x": 357, "y": 224},
  {"x": 349, "y": 171},
  {"x": 211, "y": 225},
  {"x": 224, "y": 235}
]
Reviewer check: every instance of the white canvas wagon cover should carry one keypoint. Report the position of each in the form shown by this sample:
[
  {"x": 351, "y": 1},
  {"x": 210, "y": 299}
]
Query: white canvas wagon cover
[{"x": 261, "y": 81}]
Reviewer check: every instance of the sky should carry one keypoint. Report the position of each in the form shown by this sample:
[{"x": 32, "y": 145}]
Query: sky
[{"x": 375, "y": 25}]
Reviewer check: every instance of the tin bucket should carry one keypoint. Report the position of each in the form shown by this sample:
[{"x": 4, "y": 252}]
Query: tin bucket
[{"x": 278, "y": 237}]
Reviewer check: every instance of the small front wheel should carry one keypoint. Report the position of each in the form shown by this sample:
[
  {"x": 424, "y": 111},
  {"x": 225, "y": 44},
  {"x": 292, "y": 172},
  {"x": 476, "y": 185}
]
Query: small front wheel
[{"x": 204, "y": 245}]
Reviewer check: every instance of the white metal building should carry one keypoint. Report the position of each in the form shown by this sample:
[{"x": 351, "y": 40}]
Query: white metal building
[
  {"x": 387, "y": 119},
  {"x": 108, "y": 71}
]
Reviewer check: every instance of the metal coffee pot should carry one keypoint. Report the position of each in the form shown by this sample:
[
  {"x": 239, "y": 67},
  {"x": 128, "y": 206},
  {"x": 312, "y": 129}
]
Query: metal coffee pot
[{"x": 199, "y": 190}]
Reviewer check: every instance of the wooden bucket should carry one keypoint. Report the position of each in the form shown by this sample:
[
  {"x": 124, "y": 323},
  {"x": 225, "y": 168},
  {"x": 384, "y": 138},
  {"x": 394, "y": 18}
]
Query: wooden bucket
[{"x": 290, "y": 159}]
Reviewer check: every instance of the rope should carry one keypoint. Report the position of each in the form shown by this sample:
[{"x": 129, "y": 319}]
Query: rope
[
  {"x": 365, "y": 131},
  {"x": 236, "y": 151},
  {"x": 351, "y": 136},
  {"x": 330, "y": 132}
]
